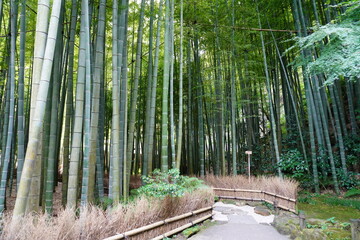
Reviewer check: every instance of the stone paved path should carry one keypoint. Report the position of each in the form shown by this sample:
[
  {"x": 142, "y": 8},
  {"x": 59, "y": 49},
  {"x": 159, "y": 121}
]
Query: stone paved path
[{"x": 239, "y": 223}]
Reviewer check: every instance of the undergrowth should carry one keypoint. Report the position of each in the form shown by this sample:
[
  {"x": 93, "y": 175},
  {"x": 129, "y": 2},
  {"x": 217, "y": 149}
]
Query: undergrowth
[
  {"x": 313, "y": 199},
  {"x": 98, "y": 222},
  {"x": 330, "y": 214},
  {"x": 171, "y": 183},
  {"x": 334, "y": 201},
  {"x": 352, "y": 193}
]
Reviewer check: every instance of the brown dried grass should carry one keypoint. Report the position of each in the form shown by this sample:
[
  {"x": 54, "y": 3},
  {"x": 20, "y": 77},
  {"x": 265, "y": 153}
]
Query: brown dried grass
[
  {"x": 94, "y": 223},
  {"x": 285, "y": 187}
]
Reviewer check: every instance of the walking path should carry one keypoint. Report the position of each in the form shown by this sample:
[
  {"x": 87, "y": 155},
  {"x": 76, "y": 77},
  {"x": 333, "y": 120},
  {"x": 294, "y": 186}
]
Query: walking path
[{"x": 239, "y": 223}]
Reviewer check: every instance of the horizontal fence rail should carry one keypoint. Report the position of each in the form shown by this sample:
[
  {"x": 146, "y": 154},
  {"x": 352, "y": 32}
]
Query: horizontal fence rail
[
  {"x": 183, "y": 227},
  {"x": 167, "y": 222},
  {"x": 168, "y": 227},
  {"x": 279, "y": 201}
]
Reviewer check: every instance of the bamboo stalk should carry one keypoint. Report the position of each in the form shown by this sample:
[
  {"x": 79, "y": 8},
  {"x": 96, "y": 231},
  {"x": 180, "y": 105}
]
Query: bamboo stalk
[{"x": 158, "y": 224}]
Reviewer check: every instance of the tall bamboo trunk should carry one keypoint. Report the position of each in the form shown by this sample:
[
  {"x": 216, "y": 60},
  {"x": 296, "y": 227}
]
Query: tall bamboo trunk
[
  {"x": 150, "y": 133},
  {"x": 134, "y": 98},
  {"x": 171, "y": 87},
  {"x": 268, "y": 89},
  {"x": 148, "y": 92},
  {"x": 123, "y": 91},
  {"x": 76, "y": 139},
  {"x": 95, "y": 101},
  {"x": 165, "y": 93},
  {"x": 233, "y": 93},
  {"x": 51, "y": 165},
  {"x": 10, "y": 130},
  {"x": 39, "y": 112},
  {"x": 86, "y": 192},
  {"x": 220, "y": 161},
  {"x": 180, "y": 128},
  {"x": 41, "y": 34},
  {"x": 21, "y": 93},
  {"x": 69, "y": 102}
]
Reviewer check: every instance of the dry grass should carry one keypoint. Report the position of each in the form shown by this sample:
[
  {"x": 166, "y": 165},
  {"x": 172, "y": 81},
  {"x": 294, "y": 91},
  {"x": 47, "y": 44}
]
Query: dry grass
[
  {"x": 94, "y": 223},
  {"x": 285, "y": 187}
]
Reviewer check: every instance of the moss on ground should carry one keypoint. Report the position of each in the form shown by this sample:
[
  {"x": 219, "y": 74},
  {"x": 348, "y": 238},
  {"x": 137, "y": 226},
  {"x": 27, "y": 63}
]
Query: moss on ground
[
  {"x": 193, "y": 230},
  {"x": 328, "y": 208}
]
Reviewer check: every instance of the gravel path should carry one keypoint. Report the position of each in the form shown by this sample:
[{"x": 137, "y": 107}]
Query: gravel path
[{"x": 240, "y": 223}]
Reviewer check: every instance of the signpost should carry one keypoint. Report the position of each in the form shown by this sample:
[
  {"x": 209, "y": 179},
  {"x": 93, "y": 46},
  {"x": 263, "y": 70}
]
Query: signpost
[{"x": 249, "y": 155}]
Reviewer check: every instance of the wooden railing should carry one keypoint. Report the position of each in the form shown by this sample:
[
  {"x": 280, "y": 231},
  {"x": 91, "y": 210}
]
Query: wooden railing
[
  {"x": 286, "y": 203},
  {"x": 171, "y": 226},
  {"x": 167, "y": 227}
]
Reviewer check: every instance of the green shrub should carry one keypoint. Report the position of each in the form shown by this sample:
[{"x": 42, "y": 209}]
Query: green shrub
[
  {"x": 306, "y": 199},
  {"x": 171, "y": 183},
  {"x": 354, "y": 192},
  {"x": 348, "y": 181},
  {"x": 191, "y": 231},
  {"x": 341, "y": 202},
  {"x": 352, "y": 147},
  {"x": 104, "y": 203},
  {"x": 293, "y": 164}
]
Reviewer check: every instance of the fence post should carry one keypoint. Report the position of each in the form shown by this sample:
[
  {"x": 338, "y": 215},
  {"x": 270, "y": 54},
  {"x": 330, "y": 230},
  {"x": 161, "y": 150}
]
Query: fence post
[
  {"x": 249, "y": 155},
  {"x": 302, "y": 219},
  {"x": 276, "y": 208},
  {"x": 355, "y": 229}
]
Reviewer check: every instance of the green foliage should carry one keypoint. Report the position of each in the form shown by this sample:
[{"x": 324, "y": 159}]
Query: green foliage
[
  {"x": 345, "y": 225},
  {"x": 191, "y": 231},
  {"x": 334, "y": 201},
  {"x": 292, "y": 164},
  {"x": 348, "y": 181},
  {"x": 329, "y": 223},
  {"x": 354, "y": 192},
  {"x": 268, "y": 205},
  {"x": 104, "y": 203},
  {"x": 352, "y": 147},
  {"x": 331, "y": 220},
  {"x": 326, "y": 206},
  {"x": 171, "y": 183},
  {"x": 307, "y": 197},
  {"x": 338, "y": 45}
]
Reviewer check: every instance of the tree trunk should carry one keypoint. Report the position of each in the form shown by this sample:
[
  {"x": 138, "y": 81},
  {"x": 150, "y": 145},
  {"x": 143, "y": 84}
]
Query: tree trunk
[{"x": 39, "y": 112}]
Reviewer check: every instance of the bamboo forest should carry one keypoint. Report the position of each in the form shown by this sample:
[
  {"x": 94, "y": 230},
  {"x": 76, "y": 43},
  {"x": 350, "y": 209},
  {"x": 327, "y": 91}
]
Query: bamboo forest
[{"x": 108, "y": 106}]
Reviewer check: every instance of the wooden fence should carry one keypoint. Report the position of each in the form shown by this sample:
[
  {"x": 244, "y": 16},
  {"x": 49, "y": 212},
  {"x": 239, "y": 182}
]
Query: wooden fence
[
  {"x": 167, "y": 227},
  {"x": 286, "y": 203},
  {"x": 171, "y": 226}
]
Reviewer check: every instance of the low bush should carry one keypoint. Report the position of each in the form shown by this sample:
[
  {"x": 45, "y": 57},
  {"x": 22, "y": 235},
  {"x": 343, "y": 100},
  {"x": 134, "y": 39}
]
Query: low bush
[
  {"x": 355, "y": 192},
  {"x": 348, "y": 181},
  {"x": 341, "y": 202},
  {"x": 171, "y": 183},
  {"x": 293, "y": 164}
]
